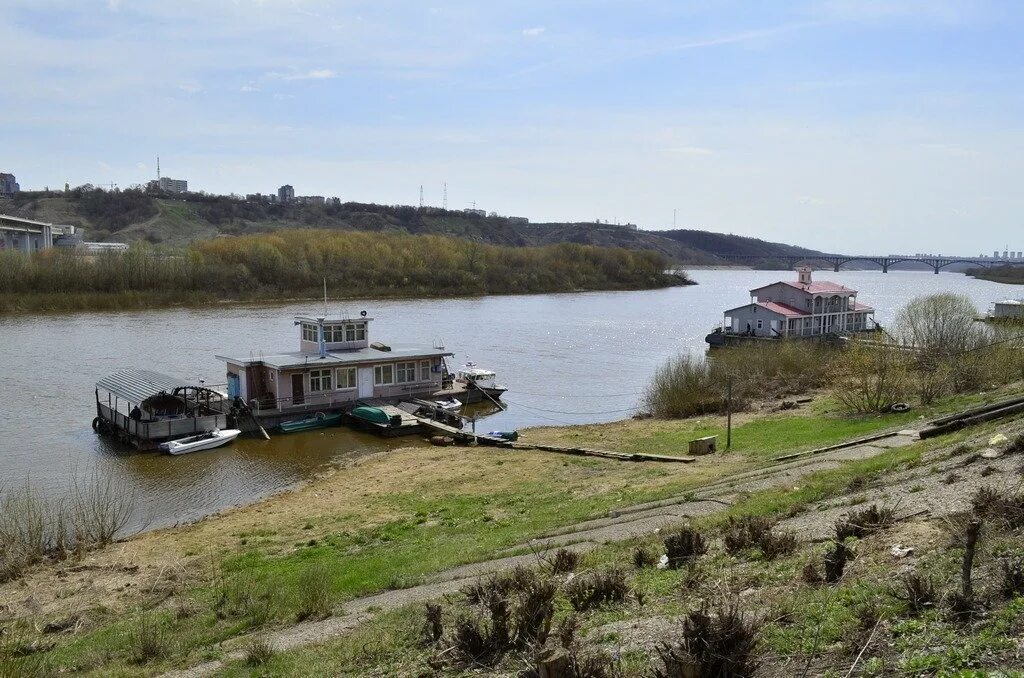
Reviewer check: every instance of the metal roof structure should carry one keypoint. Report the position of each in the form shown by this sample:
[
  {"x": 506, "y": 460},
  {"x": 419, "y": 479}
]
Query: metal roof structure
[
  {"x": 335, "y": 358},
  {"x": 136, "y": 386}
]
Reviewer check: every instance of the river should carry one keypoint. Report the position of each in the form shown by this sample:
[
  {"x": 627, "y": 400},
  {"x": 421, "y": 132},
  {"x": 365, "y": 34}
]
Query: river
[{"x": 566, "y": 358}]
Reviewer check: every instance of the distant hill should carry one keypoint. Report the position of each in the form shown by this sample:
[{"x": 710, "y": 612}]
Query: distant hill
[{"x": 126, "y": 216}]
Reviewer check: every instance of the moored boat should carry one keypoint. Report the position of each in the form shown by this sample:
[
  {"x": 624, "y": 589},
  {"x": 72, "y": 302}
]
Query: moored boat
[
  {"x": 203, "y": 441},
  {"x": 483, "y": 382},
  {"x": 450, "y": 404},
  {"x": 319, "y": 420}
]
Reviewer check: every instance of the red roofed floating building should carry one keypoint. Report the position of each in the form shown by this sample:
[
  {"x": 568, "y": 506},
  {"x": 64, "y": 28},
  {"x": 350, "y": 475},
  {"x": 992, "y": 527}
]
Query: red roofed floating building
[{"x": 796, "y": 309}]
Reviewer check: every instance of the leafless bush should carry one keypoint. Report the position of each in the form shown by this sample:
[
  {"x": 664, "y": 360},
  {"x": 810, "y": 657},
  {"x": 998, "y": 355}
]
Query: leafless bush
[
  {"x": 597, "y": 588},
  {"x": 861, "y": 523},
  {"x": 870, "y": 379},
  {"x": 811, "y": 574},
  {"x": 568, "y": 630},
  {"x": 1012, "y": 576},
  {"x": 1000, "y": 507},
  {"x": 684, "y": 545},
  {"x": 433, "y": 627},
  {"x": 533, "y": 611},
  {"x": 102, "y": 506},
  {"x": 721, "y": 645},
  {"x": 918, "y": 591},
  {"x": 644, "y": 556},
  {"x": 749, "y": 532},
  {"x": 564, "y": 561},
  {"x": 835, "y": 561}
]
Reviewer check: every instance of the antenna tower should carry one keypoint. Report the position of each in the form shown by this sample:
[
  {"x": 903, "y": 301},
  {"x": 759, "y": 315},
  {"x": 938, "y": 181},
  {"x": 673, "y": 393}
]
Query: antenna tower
[
  {"x": 158, "y": 168},
  {"x": 444, "y": 194},
  {"x": 421, "y": 196}
]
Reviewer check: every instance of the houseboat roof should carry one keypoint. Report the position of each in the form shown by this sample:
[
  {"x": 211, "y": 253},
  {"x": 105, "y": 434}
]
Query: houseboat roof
[
  {"x": 369, "y": 354},
  {"x": 822, "y": 287},
  {"x": 136, "y": 386},
  {"x": 792, "y": 311},
  {"x": 330, "y": 321}
]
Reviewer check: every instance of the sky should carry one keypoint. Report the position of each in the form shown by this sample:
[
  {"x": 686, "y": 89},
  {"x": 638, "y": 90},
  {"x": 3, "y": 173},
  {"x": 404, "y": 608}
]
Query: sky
[{"x": 863, "y": 127}]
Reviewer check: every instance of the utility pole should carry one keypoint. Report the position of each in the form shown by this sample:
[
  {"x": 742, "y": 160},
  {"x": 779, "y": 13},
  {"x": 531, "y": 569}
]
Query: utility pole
[{"x": 728, "y": 414}]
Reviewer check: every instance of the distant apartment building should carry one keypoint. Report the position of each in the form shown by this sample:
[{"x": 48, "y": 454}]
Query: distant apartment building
[
  {"x": 168, "y": 185},
  {"x": 8, "y": 185},
  {"x": 285, "y": 194},
  {"x": 479, "y": 213},
  {"x": 311, "y": 200},
  {"x": 518, "y": 220}
]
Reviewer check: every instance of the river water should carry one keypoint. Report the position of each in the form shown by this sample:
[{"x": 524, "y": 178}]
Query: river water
[{"x": 566, "y": 358}]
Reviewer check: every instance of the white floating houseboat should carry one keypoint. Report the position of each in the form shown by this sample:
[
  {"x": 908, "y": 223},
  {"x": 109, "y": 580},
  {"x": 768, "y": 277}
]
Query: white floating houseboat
[
  {"x": 335, "y": 366},
  {"x": 1007, "y": 310},
  {"x": 145, "y": 408},
  {"x": 800, "y": 308}
]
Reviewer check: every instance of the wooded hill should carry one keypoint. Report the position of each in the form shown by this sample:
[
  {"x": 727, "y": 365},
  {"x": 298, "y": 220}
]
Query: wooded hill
[{"x": 131, "y": 215}]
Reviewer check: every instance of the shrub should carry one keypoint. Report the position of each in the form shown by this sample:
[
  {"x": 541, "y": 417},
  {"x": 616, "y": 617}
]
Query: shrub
[
  {"x": 835, "y": 561},
  {"x": 597, "y": 588},
  {"x": 870, "y": 379},
  {"x": 861, "y": 523},
  {"x": 1001, "y": 507},
  {"x": 433, "y": 627},
  {"x": 684, "y": 545},
  {"x": 917, "y": 591},
  {"x": 720, "y": 645},
  {"x": 749, "y": 532},
  {"x": 565, "y": 561},
  {"x": 1011, "y": 582},
  {"x": 533, "y": 612},
  {"x": 684, "y": 387},
  {"x": 644, "y": 556}
]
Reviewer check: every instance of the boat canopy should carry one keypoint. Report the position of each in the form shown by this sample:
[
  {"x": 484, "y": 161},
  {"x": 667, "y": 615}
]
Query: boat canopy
[{"x": 136, "y": 386}]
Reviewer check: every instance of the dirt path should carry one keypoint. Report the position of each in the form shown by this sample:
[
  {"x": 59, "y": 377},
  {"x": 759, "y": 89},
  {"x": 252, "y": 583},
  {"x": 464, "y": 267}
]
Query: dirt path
[{"x": 624, "y": 524}]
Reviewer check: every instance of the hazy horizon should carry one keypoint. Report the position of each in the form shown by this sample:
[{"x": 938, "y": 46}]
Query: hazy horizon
[{"x": 840, "y": 126}]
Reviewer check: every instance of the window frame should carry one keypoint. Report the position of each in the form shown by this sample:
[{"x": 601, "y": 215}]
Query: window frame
[
  {"x": 378, "y": 374},
  {"x": 320, "y": 375},
  {"x": 404, "y": 369},
  {"x": 354, "y": 381},
  {"x": 425, "y": 370},
  {"x": 312, "y": 329}
]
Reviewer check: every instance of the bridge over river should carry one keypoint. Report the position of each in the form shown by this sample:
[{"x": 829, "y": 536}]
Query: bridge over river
[{"x": 883, "y": 261}]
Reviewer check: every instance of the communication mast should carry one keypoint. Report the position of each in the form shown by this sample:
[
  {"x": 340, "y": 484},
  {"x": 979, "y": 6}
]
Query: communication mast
[
  {"x": 444, "y": 194},
  {"x": 421, "y": 196},
  {"x": 158, "y": 168}
]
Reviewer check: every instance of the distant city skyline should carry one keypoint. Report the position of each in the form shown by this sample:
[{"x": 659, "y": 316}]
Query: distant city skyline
[{"x": 836, "y": 125}]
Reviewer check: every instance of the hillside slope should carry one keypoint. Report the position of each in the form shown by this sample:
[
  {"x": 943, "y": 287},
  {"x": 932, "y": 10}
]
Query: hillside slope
[{"x": 127, "y": 216}]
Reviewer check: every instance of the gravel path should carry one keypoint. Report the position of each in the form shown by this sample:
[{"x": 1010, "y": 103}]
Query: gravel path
[{"x": 919, "y": 489}]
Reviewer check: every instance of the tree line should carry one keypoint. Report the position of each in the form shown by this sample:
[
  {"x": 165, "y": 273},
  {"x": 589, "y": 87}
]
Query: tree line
[{"x": 353, "y": 263}]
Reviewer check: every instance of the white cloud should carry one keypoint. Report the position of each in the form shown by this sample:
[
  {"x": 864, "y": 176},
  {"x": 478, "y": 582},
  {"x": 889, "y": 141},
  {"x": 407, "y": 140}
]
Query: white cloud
[
  {"x": 315, "y": 74},
  {"x": 533, "y": 32},
  {"x": 248, "y": 88},
  {"x": 691, "y": 150}
]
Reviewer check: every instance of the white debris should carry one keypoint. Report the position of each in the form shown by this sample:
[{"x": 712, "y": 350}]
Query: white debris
[
  {"x": 991, "y": 453},
  {"x": 998, "y": 439},
  {"x": 663, "y": 562},
  {"x": 900, "y": 551}
]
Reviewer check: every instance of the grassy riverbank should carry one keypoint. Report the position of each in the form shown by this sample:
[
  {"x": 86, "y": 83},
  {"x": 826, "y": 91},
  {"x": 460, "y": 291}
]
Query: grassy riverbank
[
  {"x": 1010, "y": 275},
  {"x": 294, "y": 264},
  {"x": 385, "y": 522}
]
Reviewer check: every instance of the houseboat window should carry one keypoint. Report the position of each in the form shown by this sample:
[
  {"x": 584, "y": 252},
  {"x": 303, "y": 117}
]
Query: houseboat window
[
  {"x": 355, "y": 332},
  {"x": 309, "y": 332},
  {"x": 320, "y": 380},
  {"x": 760, "y": 324},
  {"x": 346, "y": 377},
  {"x": 405, "y": 373},
  {"x": 424, "y": 370},
  {"x": 383, "y": 374},
  {"x": 334, "y": 333}
]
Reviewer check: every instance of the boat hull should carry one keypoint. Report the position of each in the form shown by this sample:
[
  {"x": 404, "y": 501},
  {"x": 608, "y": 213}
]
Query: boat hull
[
  {"x": 311, "y": 423},
  {"x": 178, "y": 447}
]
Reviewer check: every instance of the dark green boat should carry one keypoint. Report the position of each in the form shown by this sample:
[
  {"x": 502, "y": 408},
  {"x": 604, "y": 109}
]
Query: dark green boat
[{"x": 319, "y": 420}]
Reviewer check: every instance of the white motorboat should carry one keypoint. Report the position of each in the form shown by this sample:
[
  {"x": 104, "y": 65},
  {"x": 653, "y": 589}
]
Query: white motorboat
[
  {"x": 450, "y": 404},
  {"x": 203, "y": 441},
  {"x": 480, "y": 379}
]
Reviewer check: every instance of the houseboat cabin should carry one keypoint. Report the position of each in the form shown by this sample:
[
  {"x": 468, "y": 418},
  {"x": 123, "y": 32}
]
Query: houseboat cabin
[
  {"x": 794, "y": 309},
  {"x": 1007, "y": 310},
  {"x": 336, "y": 365}
]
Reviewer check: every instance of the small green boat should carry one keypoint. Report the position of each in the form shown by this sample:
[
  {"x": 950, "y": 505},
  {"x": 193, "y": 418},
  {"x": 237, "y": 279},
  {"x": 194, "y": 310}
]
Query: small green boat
[
  {"x": 374, "y": 415},
  {"x": 319, "y": 420}
]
